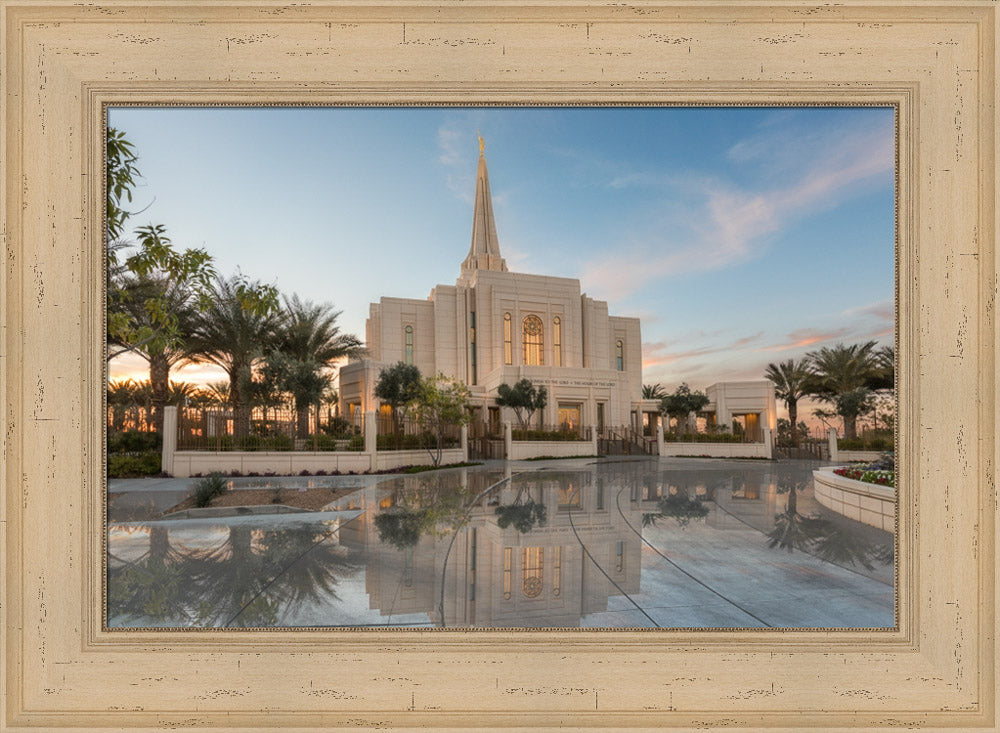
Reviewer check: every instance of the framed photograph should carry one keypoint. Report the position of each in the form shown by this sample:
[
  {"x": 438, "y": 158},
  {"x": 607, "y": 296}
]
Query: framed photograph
[{"x": 81, "y": 653}]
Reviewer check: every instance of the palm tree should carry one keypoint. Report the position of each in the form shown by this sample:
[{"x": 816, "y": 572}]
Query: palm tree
[
  {"x": 308, "y": 343},
  {"x": 843, "y": 377},
  {"x": 793, "y": 380},
  {"x": 234, "y": 331},
  {"x": 653, "y": 391},
  {"x": 161, "y": 311}
]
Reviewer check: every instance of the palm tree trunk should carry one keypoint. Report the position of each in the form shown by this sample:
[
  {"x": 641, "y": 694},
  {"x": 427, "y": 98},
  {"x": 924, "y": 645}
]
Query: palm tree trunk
[
  {"x": 850, "y": 426},
  {"x": 241, "y": 414},
  {"x": 301, "y": 418},
  {"x": 793, "y": 416},
  {"x": 159, "y": 380}
]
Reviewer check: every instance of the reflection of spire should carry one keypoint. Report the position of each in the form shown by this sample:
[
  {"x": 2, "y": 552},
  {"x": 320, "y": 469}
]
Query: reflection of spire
[{"x": 484, "y": 253}]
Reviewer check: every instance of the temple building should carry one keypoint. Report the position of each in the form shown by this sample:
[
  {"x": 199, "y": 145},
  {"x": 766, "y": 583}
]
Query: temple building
[{"x": 494, "y": 326}]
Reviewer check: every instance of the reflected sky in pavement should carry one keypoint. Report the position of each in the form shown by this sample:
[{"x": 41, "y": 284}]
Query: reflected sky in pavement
[{"x": 613, "y": 543}]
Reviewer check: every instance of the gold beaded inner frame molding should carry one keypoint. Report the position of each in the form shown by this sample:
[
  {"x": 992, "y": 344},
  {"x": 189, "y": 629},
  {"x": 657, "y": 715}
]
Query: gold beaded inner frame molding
[{"x": 64, "y": 64}]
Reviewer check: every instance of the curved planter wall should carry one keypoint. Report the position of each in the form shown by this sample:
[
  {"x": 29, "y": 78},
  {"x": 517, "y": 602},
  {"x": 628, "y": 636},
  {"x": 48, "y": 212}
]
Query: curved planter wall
[{"x": 866, "y": 503}]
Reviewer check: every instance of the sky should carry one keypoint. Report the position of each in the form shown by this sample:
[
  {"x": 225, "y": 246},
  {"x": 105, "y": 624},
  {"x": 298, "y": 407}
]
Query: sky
[{"x": 739, "y": 236}]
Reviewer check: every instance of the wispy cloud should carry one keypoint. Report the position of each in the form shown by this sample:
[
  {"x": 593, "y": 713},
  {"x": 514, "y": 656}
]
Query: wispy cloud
[
  {"x": 657, "y": 352},
  {"x": 731, "y": 223},
  {"x": 883, "y": 310},
  {"x": 803, "y": 337}
]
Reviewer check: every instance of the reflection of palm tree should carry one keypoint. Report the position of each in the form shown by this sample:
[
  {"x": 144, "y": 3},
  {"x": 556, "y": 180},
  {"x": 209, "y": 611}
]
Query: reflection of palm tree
[
  {"x": 793, "y": 530},
  {"x": 152, "y": 586},
  {"x": 814, "y": 534},
  {"x": 680, "y": 506},
  {"x": 844, "y": 548},
  {"x": 311, "y": 566},
  {"x": 257, "y": 574},
  {"x": 226, "y": 582}
]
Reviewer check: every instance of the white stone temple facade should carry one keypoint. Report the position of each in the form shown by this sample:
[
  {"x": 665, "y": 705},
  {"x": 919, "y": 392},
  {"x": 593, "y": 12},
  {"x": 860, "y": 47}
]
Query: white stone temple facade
[{"x": 494, "y": 326}]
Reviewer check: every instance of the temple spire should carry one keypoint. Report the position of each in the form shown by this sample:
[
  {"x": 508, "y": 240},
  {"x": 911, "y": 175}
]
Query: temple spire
[{"x": 484, "y": 253}]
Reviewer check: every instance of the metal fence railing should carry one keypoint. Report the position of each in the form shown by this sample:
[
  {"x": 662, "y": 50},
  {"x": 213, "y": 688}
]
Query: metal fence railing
[
  {"x": 410, "y": 434},
  {"x": 563, "y": 431},
  {"x": 130, "y": 418},
  {"x": 868, "y": 440},
  {"x": 713, "y": 437},
  {"x": 266, "y": 429}
]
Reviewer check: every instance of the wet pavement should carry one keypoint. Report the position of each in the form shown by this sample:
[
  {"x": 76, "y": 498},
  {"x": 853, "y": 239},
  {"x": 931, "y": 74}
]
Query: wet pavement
[{"x": 669, "y": 543}]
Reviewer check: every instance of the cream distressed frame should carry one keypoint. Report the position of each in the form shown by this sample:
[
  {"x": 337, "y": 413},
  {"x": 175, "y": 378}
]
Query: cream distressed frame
[{"x": 63, "y": 62}]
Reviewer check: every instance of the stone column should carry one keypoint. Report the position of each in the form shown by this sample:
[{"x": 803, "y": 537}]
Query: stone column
[
  {"x": 768, "y": 447},
  {"x": 593, "y": 439},
  {"x": 832, "y": 438},
  {"x": 508, "y": 439},
  {"x": 464, "y": 442},
  {"x": 660, "y": 448},
  {"x": 371, "y": 439},
  {"x": 169, "y": 439}
]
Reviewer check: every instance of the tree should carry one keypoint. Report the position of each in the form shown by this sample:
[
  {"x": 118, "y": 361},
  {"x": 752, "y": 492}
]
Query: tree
[
  {"x": 234, "y": 332},
  {"x": 398, "y": 386},
  {"x": 151, "y": 289},
  {"x": 308, "y": 343},
  {"x": 844, "y": 375},
  {"x": 441, "y": 404},
  {"x": 885, "y": 365},
  {"x": 120, "y": 179},
  {"x": 793, "y": 380},
  {"x": 524, "y": 398},
  {"x": 785, "y": 436},
  {"x": 682, "y": 403},
  {"x": 653, "y": 392}
]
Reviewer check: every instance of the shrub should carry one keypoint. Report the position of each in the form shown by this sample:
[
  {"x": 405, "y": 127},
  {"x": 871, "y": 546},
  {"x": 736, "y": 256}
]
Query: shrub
[
  {"x": 125, "y": 465},
  {"x": 338, "y": 427},
  {"x": 134, "y": 441},
  {"x": 552, "y": 435},
  {"x": 702, "y": 438},
  {"x": 208, "y": 488},
  {"x": 357, "y": 442},
  {"x": 322, "y": 441}
]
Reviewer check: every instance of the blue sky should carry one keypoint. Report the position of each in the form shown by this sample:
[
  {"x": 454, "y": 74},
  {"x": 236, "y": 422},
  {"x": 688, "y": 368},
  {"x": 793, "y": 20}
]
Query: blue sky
[{"x": 740, "y": 236}]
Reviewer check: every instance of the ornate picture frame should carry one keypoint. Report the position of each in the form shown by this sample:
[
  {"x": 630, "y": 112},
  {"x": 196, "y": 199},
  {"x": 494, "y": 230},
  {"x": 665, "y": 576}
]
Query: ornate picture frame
[{"x": 63, "y": 64}]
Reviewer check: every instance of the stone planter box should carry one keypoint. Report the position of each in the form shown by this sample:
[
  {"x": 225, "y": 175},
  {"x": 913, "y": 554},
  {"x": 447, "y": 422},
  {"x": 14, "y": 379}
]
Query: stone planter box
[{"x": 863, "y": 502}]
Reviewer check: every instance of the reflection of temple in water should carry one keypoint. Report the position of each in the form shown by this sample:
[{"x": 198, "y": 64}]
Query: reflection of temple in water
[{"x": 587, "y": 550}]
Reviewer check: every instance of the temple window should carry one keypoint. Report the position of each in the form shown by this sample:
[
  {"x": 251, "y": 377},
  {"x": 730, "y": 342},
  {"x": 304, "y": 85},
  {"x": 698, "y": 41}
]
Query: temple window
[
  {"x": 409, "y": 344},
  {"x": 620, "y": 355},
  {"x": 531, "y": 336},
  {"x": 508, "y": 356},
  {"x": 556, "y": 341},
  {"x": 532, "y": 559}
]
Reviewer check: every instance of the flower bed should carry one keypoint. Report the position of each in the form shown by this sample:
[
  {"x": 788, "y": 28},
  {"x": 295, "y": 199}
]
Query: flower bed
[{"x": 868, "y": 475}]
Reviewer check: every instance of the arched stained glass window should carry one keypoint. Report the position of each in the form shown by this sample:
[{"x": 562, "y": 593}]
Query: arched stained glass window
[
  {"x": 409, "y": 345},
  {"x": 531, "y": 341},
  {"x": 556, "y": 341},
  {"x": 508, "y": 355},
  {"x": 620, "y": 355}
]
